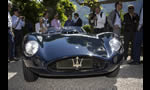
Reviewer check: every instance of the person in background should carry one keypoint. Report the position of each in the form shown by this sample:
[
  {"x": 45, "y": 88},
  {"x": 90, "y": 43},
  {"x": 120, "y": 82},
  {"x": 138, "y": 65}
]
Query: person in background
[
  {"x": 114, "y": 19},
  {"x": 56, "y": 22},
  {"x": 40, "y": 27},
  {"x": 11, "y": 46},
  {"x": 18, "y": 22},
  {"x": 100, "y": 20},
  {"x": 138, "y": 41},
  {"x": 69, "y": 22},
  {"x": 130, "y": 23},
  {"x": 78, "y": 21},
  {"x": 46, "y": 16}
]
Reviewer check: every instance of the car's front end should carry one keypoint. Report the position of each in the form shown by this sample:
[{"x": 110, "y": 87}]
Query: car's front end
[{"x": 74, "y": 55}]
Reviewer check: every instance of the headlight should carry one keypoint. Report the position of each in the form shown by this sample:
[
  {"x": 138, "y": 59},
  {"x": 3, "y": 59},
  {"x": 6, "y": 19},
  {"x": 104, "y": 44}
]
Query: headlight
[
  {"x": 115, "y": 44},
  {"x": 31, "y": 48}
]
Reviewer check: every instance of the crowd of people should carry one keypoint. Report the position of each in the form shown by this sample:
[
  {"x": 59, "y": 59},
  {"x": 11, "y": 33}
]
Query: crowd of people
[
  {"x": 43, "y": 23},
  {"x": 133, "y": 28}
]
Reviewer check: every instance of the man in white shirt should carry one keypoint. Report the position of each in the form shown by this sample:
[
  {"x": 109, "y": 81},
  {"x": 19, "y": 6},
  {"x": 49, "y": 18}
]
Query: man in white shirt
[
  {"x": 100, "y": 20},
  {"x": 11, "y": 48},
  {"x": 18, "y": 22}
]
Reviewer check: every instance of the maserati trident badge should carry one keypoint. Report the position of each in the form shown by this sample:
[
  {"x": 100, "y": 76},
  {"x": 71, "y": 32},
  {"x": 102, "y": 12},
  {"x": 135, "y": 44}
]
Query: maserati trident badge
[{"x": 77, "y": 62}]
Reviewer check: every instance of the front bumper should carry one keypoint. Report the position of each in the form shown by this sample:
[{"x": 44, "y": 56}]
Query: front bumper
[
  {"x": 45, "y": 73},
  {"x": 42, "y": 69}
]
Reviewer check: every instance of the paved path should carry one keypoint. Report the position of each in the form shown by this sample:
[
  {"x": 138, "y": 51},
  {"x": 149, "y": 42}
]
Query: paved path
[{"x": 130, "y": 78}]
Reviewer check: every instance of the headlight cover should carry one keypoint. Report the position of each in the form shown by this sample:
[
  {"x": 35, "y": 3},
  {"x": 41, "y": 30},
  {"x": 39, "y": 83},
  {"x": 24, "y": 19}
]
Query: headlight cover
[
  {"x": 31, "y": 48},
  {"x": 115, "y": 44}
]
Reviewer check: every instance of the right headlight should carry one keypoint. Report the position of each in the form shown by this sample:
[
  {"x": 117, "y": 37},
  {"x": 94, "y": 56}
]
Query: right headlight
[
  {"x": 31, "y": 48},
  {"x": 115, "y": 44}
]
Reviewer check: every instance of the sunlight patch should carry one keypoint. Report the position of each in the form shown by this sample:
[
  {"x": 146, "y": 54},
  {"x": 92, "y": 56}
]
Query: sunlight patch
[
  {"x": 11, "y": 74},
  {"x": 122, "y": 66}
]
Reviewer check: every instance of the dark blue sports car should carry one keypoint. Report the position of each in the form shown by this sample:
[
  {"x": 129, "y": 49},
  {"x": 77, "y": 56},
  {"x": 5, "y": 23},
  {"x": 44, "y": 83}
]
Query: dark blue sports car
[{"x": 71, "y": 51}]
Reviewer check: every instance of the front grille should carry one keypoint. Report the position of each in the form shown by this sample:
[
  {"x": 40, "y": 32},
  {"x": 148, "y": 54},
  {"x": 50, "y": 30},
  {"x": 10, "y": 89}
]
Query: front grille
[{"x": 66, "y": 65}]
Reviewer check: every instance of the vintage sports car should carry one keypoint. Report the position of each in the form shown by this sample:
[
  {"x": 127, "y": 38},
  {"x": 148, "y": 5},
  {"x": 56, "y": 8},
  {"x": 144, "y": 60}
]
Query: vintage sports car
[{"x": 71, "y": 51}]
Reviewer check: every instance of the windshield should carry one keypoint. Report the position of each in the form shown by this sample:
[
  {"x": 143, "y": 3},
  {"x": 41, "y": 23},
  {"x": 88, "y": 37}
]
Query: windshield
[{"x": 64, "y": 30}]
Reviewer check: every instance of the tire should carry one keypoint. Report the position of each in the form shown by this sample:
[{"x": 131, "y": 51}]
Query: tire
[
  {"x": 114, "y": 73},
  {"x": 28, "y": 75}
]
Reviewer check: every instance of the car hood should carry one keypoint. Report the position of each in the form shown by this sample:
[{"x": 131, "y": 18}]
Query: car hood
[{"x": 63, "y": 46}]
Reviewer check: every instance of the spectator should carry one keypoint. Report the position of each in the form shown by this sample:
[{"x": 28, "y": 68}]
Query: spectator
[
  {"x": 100, "y": 20},
  {"x": 11, "y": 48},
  {"x": 114, "y": 19},
  {"x": 40, "y": 26},
  {"x": 18, "y": 22},
  {"x": 56, "y": 23},
  {"x": 46, "y": 16},
  {"x": 78, "y": 21},
  {"x": 69, "y": 22},
  {"x": 130, "y": 22},
  {"x": 138, "y": 41}
]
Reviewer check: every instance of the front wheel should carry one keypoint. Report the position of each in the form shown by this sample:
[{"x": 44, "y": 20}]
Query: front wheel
[
  {"x": 28, "y": 75},
  {"x": 114, "y": 73}
]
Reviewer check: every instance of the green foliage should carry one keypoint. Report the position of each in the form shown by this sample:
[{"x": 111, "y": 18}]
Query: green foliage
[
  {"x": 92, "y": 4},
  {"x": 90, "y": 1},
  {"x": 87, "y": 28},
  {"x": 122, "y": 19},
  {"x": 64, "y": 8},
  {"x": 122, "y": 15},
  {"x": 31, "y": 9}
]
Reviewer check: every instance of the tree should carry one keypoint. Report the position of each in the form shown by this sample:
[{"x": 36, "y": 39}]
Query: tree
[
  {"x": 31, "y": 9},
  {"x": 92, "y": 4},
  {"x": 62, "y": 7},
  {"x": 65, "y": 8}
]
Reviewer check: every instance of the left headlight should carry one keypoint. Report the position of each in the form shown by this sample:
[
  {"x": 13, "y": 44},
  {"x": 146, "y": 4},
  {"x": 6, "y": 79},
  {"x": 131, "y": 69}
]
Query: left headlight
[
  {"x": 31, "y": 48},
  {"x": 115, "y": 44}
]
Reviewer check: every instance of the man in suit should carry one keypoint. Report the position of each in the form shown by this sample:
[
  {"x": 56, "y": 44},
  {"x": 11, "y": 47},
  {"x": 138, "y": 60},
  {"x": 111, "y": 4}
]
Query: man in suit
[
  {"x": 130, "y": 22},
  {"x": 78, "y": 21},
  {"x": 138, "y": 40},
  {"x": 69, "y": 22}
]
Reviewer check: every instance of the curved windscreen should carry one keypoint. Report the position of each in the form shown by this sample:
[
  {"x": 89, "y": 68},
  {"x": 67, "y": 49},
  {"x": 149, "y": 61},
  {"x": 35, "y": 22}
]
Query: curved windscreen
[{"x": 66, "y": 30}]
